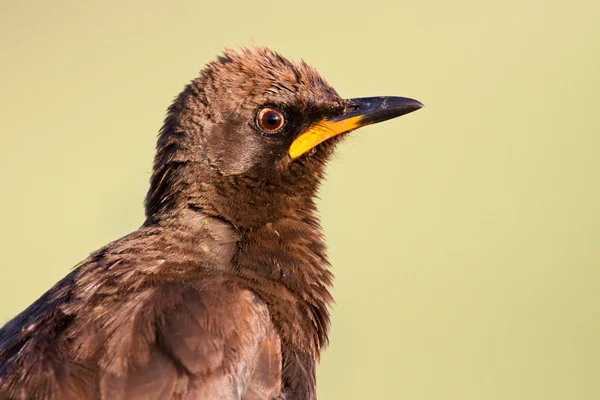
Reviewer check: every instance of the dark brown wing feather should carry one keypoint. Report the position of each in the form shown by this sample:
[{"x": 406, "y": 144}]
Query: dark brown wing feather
[{"x": 108, "y": 332}]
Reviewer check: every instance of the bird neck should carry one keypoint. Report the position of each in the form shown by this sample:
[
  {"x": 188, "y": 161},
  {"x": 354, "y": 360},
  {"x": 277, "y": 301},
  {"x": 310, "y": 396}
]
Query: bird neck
[
  {"x": 242, "y": 201},
  {"x": 270, "y": 242},
  {"x": 279, "y": 251}
]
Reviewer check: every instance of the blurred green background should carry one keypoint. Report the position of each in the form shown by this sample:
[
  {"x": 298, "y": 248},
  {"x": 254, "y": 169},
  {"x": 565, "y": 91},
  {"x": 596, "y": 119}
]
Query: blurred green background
[{"x": 464, "y": 237}]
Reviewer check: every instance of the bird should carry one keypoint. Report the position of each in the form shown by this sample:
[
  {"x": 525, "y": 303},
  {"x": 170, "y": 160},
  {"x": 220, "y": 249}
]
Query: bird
[{"x": 224, "y": 291}]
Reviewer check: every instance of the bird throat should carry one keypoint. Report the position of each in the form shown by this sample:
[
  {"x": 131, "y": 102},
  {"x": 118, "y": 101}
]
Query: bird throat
[
  {"x": 281, "y": 256},
  {"x": 277, "y": 251}
]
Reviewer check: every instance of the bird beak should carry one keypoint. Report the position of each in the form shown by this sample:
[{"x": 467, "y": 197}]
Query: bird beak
[{"x": 359, "y": 112}]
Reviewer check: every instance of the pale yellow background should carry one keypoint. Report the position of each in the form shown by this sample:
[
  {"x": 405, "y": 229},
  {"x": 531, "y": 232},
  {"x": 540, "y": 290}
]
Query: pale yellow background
[{"x": 464, "y": 237}]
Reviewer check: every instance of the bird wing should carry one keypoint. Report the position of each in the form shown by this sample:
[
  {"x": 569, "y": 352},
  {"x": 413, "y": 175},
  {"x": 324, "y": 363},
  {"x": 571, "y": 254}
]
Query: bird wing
[
  {"x": 30, "y": 356},
  {"x": 207, "y": 339},
  {"x": 212, "y": 342}
]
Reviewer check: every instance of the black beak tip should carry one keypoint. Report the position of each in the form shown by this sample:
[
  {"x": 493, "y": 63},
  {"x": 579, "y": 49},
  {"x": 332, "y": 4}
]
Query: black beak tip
[
  {"x": 406, "y": 103},
  {"x": 378, "y": 109}
]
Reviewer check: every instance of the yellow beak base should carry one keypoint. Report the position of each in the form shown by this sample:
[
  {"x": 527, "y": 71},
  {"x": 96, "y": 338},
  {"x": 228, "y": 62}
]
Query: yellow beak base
[{"x": 320, "y": 132}]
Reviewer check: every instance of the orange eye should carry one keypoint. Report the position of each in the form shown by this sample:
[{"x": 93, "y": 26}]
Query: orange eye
[{"x": 270, "y": 120}]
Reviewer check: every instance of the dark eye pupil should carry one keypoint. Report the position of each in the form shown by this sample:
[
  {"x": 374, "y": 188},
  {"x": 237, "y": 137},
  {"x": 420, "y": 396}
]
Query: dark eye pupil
[{"x": 272, "y": 120}]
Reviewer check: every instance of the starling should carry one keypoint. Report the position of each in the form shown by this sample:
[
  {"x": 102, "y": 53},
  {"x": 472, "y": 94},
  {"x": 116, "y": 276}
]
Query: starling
[{"x": 223, "y": 292}]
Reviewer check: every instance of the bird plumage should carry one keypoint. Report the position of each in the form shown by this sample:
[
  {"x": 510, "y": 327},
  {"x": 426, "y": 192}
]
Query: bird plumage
[{"x": 223, "y": 293}]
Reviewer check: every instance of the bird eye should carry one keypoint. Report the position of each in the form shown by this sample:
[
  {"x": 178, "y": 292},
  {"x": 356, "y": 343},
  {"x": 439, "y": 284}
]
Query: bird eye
[{"x": 270, "y": 120}]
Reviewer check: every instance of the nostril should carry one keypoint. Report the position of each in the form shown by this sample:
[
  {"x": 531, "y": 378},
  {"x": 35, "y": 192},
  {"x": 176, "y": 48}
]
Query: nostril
[{"x": 351, "y": 107}]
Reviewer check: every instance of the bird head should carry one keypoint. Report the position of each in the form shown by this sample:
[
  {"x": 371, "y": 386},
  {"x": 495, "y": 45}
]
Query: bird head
[{"x": 255, "y": 119}]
